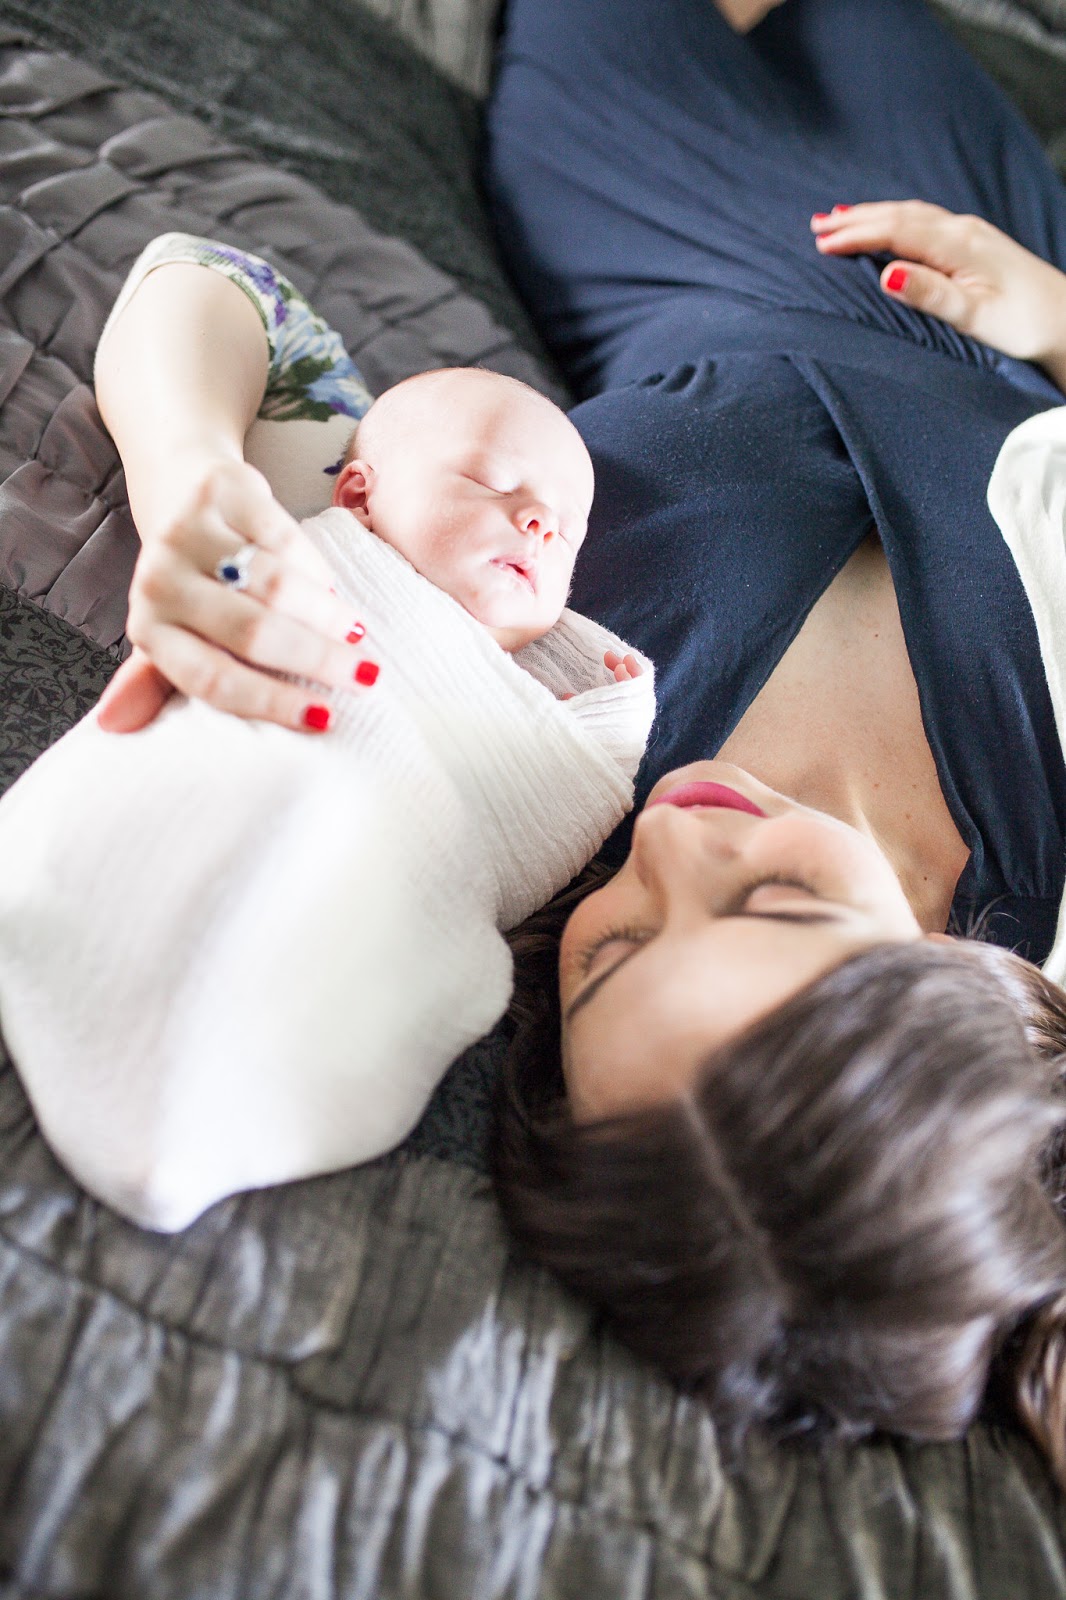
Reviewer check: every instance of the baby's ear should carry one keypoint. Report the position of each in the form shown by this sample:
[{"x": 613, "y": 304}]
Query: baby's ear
[{"x": 352, "y": 489}]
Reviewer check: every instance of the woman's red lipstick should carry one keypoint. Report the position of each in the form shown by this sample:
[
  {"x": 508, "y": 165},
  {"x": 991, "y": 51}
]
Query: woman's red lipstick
[{"x": 708, "y": 794}]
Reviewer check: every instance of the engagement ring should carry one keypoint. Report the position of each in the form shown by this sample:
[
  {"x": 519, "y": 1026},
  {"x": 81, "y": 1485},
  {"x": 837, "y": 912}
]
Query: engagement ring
[{"x": 233, "y": 570}]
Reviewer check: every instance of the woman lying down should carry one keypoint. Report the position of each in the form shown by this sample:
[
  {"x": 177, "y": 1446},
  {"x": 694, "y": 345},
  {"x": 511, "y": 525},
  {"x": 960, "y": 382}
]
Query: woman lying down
[
  {"x": 233, "y": 953},
  {"x": 796, "y": 1133}
]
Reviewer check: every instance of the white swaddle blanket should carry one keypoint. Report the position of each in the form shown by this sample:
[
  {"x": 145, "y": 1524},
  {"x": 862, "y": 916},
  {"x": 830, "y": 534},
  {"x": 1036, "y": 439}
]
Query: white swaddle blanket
[{"x": 232, "y": 955}]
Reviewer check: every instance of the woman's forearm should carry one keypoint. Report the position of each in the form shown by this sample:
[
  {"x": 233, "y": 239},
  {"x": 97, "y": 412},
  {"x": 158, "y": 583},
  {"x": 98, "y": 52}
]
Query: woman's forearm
[
  {"x": 181, "y": 374},
  {"x": 179, "y": 379}
]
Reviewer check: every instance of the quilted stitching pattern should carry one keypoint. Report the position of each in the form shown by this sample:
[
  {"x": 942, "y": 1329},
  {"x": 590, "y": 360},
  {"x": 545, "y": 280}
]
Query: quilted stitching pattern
[
  {"x": 89, "y": 172},
  {"x": 348, "y": 1388}
]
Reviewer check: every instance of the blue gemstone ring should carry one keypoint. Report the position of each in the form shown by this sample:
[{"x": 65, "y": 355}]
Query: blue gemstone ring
[{"x": 233, "y": 570}]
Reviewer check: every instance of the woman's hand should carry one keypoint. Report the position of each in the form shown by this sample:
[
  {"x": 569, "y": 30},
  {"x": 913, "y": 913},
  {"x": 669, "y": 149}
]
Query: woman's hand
[
  {"x": 961, "y": 269},
  {"x": 223, "y": 644},
  {"x": 179, "y": 379}
]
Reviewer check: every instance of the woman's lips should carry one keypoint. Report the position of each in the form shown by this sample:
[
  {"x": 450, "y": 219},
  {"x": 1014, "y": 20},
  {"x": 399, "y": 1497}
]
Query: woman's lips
[{"x": 708, "y": 794}]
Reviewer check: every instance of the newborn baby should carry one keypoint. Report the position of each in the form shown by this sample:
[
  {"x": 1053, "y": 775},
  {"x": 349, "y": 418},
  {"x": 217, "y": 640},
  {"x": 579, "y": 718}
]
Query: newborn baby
[
  {"x": 484, "y": 485},
  {"x": 231, "y": 954}
]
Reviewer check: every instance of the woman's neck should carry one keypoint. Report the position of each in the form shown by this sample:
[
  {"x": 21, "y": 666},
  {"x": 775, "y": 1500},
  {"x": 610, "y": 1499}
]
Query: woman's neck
[
  {"x": 926, "y": 851},
  {"x": 838, "y": 725}
]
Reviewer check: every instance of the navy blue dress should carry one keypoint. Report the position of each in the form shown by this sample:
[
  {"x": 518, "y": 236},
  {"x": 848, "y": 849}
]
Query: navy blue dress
[{"x": 755, "y": 410}]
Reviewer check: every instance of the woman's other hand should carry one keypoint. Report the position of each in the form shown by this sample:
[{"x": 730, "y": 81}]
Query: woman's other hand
[{"x": 961, "y": 269}]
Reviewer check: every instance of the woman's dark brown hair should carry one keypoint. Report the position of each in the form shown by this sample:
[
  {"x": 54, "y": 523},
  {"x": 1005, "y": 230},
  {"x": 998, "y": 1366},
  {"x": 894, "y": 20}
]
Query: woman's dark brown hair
[{"x": 852, "y": 1220}]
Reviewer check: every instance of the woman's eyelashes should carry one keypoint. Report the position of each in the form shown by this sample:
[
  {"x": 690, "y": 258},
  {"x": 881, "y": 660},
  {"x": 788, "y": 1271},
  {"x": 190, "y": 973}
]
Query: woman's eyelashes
[
  {"x": 738, "y": 903},
  {"x": 623, "y": 935},
  {"x": 736, "y": 907}
]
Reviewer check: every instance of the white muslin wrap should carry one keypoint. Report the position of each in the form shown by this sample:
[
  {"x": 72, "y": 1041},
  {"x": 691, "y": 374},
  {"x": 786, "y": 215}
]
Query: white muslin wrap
[
  {"x": 232, "y": 955},
  {"x": 1027, "y": 497}
]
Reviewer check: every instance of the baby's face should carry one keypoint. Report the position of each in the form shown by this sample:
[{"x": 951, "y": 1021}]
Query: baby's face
[{"x": 485, "y": 487}]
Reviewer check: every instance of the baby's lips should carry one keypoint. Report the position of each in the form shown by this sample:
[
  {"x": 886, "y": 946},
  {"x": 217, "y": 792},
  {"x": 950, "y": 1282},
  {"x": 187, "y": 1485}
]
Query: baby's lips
[{"x": 527, "y": 570}]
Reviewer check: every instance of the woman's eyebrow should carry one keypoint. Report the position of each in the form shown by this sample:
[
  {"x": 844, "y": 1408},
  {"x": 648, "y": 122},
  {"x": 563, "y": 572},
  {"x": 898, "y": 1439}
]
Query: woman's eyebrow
[{"x": 803, "y": 918}]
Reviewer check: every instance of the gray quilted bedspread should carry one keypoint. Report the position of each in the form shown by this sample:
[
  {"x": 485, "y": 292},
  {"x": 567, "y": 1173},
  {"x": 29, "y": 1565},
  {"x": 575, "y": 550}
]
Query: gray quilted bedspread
[
  {"x": 349, "y": 1387},
  {"x": 352, "y": 1386}
]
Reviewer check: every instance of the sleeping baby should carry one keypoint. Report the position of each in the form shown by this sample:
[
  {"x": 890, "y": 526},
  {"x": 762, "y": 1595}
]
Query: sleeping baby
[{"x": 233, "y": 955}]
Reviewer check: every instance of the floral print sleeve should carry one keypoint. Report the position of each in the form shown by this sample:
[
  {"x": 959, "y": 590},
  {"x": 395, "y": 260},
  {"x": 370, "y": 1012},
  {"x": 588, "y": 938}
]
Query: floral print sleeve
[
  {"x": 311, "y": 377},
  {"x": 315, "y": 393}
]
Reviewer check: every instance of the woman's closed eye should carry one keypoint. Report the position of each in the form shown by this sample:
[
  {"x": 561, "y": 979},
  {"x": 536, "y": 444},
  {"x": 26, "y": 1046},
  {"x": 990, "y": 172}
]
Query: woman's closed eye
[
  {"x": 618, "y": 936},
  {"x": 737, "y": 907},
  {"x": 626, "y": 941}
]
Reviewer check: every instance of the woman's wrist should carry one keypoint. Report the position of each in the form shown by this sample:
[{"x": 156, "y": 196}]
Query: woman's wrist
[
  {"x": 161, "y": 487},
  {"x": 1056, "y": 371},
  {"x": 1054, "y": 361},
  {"x": 1053, "y": 356}
]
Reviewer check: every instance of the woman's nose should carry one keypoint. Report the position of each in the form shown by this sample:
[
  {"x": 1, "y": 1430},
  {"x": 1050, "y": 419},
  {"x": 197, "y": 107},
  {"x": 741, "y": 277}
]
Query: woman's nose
[{"x": 681, "y": 854}]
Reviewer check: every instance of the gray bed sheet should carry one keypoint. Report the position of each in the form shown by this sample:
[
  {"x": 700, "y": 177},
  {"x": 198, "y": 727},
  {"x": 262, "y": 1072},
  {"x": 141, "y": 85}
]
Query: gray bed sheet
[{"x": 351, "y": 1386}]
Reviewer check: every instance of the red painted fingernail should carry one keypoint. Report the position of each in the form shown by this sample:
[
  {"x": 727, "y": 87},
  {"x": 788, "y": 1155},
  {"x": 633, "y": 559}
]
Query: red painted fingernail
[
  {"x": 318, "y": 718},
  {"x": 897, "y": 279},
  {"x": 820, "y": 216},
  {"x": 366, "y": 673},
  {"x": 355, "y": 633},
  {"x": 836, "y": 209}
]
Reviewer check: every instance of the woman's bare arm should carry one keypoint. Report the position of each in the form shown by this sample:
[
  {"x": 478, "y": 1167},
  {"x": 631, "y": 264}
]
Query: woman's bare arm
[
  {"x": 961, "y": 269},
  {"x": 179, "y": 379}
]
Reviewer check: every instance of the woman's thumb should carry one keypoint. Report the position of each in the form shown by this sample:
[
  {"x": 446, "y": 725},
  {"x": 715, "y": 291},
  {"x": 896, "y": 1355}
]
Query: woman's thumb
[
  {"x": 926, "y": 290},
  {"x": 134, "y": 697}
]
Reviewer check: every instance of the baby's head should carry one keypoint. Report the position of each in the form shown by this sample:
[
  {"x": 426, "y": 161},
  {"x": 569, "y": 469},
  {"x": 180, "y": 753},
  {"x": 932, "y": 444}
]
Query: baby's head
[{"x": 484, "y": 485}]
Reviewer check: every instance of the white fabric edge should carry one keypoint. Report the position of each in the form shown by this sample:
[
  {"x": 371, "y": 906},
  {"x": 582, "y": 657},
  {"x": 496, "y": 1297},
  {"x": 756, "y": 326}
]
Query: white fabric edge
[{"x": 1027, "y": 497}]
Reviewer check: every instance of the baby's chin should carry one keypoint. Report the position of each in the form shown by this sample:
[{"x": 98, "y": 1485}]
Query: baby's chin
[
  {"x": 517, "y": 636},
  {"x": 508, "y": 622},
  {"x": 512, "y": 613}
]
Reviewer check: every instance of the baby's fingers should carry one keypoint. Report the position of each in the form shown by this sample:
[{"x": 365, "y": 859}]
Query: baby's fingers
[
  {"x": 622, "y": 667},
  {"x": 631, "y": 667}
]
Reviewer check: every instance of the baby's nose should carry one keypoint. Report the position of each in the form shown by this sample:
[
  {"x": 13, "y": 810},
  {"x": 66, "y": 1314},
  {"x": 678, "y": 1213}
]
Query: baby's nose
[{"x": 538, "y": 521}]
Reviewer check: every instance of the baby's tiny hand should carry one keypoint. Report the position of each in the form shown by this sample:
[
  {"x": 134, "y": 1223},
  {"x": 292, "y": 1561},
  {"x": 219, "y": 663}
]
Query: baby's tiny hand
[{"x": 623, "y": 667}]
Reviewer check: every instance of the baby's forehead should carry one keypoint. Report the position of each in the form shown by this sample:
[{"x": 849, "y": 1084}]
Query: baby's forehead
[
  {"x": 453, "y": 412},
  {"x": 478, "y": 397}
]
